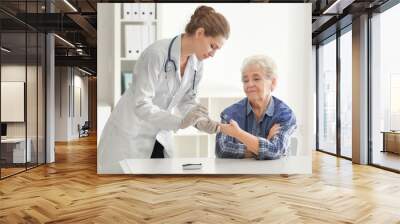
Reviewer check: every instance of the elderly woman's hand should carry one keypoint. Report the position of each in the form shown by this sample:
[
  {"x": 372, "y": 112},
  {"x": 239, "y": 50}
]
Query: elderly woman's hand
[
  {"x": 273, "y": 131},
  {"x": 231, "y": 129}
]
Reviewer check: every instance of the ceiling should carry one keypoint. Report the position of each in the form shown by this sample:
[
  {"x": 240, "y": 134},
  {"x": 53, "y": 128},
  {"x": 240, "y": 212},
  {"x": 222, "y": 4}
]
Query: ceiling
[{"x": 76, "y": 22}]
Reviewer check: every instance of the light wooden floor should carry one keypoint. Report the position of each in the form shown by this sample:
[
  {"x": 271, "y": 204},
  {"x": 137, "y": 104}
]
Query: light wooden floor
[
  {"x": 70, "y": 191},
  {"x": 10, "y": 171},
  {"x": 387, "y": 159}
]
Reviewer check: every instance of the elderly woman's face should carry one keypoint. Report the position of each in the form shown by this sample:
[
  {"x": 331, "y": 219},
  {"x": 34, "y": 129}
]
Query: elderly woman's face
[{"x": 256, "y": 84}]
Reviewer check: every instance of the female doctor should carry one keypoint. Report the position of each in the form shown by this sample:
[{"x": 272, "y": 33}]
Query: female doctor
[{"x": 162, "y": 97}]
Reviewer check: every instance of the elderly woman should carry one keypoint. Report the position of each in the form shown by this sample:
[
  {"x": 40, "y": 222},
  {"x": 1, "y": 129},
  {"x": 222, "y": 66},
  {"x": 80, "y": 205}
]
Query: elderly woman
[{"x": 260, "y": 125}]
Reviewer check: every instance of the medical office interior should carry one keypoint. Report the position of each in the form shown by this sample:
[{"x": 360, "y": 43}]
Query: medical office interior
[
  {"x": 65, "y": 64},
  {"x": 221, "y": 83}
]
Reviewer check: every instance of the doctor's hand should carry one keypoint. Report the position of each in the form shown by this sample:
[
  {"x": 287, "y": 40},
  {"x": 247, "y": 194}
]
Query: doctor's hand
[
  {"x": 193, "y": 116},
  {"x": 207, "y": 125},
  {"x": 231, "y": 129}
]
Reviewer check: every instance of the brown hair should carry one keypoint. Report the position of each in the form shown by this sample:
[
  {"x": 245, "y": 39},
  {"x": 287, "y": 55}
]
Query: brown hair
[{"x": 213, "y": 23}]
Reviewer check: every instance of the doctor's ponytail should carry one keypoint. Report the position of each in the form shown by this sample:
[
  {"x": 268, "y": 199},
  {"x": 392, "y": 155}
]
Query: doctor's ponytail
[{"x": 213, "y": 23}]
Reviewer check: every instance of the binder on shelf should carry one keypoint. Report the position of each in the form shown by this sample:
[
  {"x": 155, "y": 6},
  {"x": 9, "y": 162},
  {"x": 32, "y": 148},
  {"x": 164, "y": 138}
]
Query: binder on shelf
[
  {"x": 147, "y": 11},
  {"x": 148, "y": 35},
  {"x": 136, "y": 11},
  {"x": 126, "y": 81},
  {"x": 133, "y": 40},
  {"x": 145, "y": 36},
  {"x": 131, "y": 11},
  {"x": 126, "y": 11}
]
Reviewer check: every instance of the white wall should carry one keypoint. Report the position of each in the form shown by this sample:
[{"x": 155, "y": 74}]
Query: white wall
[
  {"x": 66, "y": 120},
  {"x": 313, "y": 76},
  {"x": 80, "y": 82},
  {"x": 61, "y": 103},
  {"x": 12, "y": 73},
  {"x": 108, "y": 56},
  {"x": 83, "y": 83},
  {"x": 105, "y": 55},
  {"x": 33, "y": 126},
  {"x": 282, "y": 31}
]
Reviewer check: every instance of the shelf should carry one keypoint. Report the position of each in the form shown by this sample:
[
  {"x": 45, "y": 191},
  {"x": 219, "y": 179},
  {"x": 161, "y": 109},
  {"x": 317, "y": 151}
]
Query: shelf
[
  {"x": 126, "y": 21},
  {"x": 127, "y": 65},
  {"x": 128, "y": 59}
]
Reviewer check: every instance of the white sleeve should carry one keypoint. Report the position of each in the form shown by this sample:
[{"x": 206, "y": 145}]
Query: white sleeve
[
  {"x": 190, "y": 99},
  {"x": 148, "y": 70}
]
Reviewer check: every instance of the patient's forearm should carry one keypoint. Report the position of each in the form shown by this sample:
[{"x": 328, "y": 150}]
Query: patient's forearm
[{"x": 249, "y": 140}]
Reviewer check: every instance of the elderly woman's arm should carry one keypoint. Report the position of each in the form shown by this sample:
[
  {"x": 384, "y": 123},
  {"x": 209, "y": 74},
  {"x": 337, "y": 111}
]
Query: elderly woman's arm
[
  {"x": 263, "y": 148},
  {"x": 228, "y": 147},
  {"x": 277, "y": 146}
]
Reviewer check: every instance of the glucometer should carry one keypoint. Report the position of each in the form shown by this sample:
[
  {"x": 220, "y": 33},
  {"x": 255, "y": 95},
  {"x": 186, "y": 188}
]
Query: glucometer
[
  {"x": 192, "y": 166},
  {"x": 225, "y": 118}
]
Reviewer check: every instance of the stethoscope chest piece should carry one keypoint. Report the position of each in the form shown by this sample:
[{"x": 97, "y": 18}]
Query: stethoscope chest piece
[{"x": 170, "y": 66}]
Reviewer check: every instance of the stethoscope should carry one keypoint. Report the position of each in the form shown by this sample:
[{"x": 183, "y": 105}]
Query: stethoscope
[{"x": 169, "y": 60}]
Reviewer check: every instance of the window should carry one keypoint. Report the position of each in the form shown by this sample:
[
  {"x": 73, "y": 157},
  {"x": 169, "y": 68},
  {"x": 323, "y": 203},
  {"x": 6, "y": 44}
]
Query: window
[
  {"x": 346, "y": 94},
  {"x": 385, "y": 89},
  {"x": 394, "y": 101},
  {"x": 327, "y": 97},
  {"x": 22, "y": 77}
]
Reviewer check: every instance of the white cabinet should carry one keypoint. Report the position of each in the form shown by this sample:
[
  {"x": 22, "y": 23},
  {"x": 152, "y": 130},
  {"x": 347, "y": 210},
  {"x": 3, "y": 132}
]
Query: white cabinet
[
  {"x": 148, "y": 34},
  {"x": 190, "y": 142},
  {"x": 130, "y": 11},
  {"x": 137, "y": 37},
  {"x": 124, "y": 31},
  {"x": 15, "y": 148},
  {"x": 133, "y": 39},
  {"x": 137, "y": 27},
  {"x": 20, "y": 155},
  {"x": 136, "y": 30}
]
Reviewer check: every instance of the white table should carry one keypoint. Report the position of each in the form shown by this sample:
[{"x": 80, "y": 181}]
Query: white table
[
  {"x": 18, "y": 145},
  {"x": 286, "y": 165}
]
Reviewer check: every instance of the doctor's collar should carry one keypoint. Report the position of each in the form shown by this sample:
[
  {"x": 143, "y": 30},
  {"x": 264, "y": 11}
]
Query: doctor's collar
[{"x": 176, "y": 53}]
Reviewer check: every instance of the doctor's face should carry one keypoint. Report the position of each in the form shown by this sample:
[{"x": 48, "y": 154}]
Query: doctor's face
[
  {"x": 256, "y": 84},
  {"x": 206, "y": 46}
]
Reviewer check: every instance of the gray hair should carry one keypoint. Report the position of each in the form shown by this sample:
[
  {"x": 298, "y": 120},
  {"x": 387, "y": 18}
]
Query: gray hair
[{"x": 266, "y": 63}]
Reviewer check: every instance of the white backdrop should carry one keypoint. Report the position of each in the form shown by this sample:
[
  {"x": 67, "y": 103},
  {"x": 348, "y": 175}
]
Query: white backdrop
[{"x": 282, "y": 31}]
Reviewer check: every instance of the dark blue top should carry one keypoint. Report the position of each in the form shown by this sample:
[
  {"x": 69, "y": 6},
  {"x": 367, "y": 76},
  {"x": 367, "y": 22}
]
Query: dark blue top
[{"x": 242, "y": 112}]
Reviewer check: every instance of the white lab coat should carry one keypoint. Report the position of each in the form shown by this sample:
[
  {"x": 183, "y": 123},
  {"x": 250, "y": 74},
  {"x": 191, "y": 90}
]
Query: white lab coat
[{"x": 150, "y": 109}]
